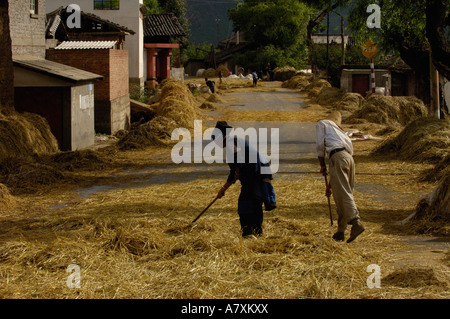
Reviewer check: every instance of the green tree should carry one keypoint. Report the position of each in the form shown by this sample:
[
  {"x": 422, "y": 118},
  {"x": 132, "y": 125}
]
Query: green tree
[
  {"x": 276, "y": 30},
  {"x": 179, "y": 9},
  {"x": 152, "y": 6},
  {"x": 408, "y": 28}
]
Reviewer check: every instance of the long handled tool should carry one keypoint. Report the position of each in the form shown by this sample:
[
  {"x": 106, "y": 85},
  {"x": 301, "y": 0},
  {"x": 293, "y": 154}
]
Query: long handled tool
[
  {"x": 210, "y": 204},
  {"x": 329, "y": 204}
]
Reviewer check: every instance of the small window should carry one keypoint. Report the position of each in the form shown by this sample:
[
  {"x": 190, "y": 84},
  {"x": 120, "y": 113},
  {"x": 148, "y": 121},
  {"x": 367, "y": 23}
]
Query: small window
[
  {"x": 34, "y": 6},
  {"x": 106, "y": 4}
]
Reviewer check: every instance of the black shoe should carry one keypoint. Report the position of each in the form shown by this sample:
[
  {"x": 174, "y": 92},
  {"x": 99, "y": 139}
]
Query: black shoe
[
  {"x": 339, "y": 236},
  {"x": 357, "y": 229}
]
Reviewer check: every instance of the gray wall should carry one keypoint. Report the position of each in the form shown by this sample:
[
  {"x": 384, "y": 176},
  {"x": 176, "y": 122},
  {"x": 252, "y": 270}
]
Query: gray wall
[
  {"x": 27, "y": 31},
  {"x": 82, "y": 113}
]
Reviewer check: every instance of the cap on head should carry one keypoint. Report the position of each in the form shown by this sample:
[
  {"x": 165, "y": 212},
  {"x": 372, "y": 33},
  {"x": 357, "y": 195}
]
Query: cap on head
[
  {"x": 336, "y": 117},
  {"x": 222, "y": 126}
]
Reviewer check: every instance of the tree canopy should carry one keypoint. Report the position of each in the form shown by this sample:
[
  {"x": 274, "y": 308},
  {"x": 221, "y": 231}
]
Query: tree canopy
[
  {"x": 409, "y": 28},
  {"x": 276, "y": 29}
]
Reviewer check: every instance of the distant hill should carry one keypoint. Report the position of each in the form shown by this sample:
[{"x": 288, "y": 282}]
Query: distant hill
[{"x": 202, "y": 15}]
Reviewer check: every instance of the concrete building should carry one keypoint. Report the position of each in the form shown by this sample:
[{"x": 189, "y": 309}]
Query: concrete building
[
  {"x": 356, "y": 79},
  {"x": 126, "y": 13},
  {"x": 27, "y": 27},
  {"x": 112, "y": 99},
  {"x": 63, "y": 95},
  {"x": 96, "y": 47}
]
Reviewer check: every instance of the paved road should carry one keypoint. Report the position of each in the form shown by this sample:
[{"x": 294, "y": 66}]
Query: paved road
[{"x": 294, "y": 143}]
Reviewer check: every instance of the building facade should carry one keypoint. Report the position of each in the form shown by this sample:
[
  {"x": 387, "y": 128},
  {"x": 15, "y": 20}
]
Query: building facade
[
  {"x": 124, "y": 12},
  {"x": 112, "y": 99},
  {"x": 27, "y": 27}
]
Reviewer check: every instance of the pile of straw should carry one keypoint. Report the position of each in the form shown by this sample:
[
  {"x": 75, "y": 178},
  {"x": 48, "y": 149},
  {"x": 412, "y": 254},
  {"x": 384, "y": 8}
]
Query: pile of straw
[
  {"x": 298, "y": 82},
  {"x": 31, "y": 177},
  {"x": 25, "y": 134},
  {"x": 214, "y": 98},
  {"x": 155, "y": 132},
  {"x": 349, "y": 102},
  {"x": 315, "y": 87},
  {"x": 435, "y": 206},
  {"x": 413, "y": 278},
  {"x": 438, "y": 171},
  {"x": 210, "y": 73},
  {"x": 207, "y": 106},
  {"x": 284, "y": 73},
  {"x": 177, "y": 103},
  {"x": 7, "y": 201},
  {"x": 328, "y": 96},
  {"x": 82, "y": 159},
  {"x": 177, "y": 108},
  {"x": 426, "y": 140},
  {"x": 389, "y": 110},
  {"x": 321, "y": 92},
  {"x": 31, "y": 174}
]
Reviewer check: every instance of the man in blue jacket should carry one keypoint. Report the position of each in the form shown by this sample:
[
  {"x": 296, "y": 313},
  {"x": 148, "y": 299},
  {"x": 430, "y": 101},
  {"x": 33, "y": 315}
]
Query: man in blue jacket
[{"x": 256, "y": 188}]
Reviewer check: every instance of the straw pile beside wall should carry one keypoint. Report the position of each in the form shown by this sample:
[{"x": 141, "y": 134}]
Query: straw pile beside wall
[
  {"x": 25, "y": 134},
  {"x": 177, "y": 108}
]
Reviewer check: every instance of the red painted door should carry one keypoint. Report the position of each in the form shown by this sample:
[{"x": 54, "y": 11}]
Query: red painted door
[{"x": 360, "y": 83}]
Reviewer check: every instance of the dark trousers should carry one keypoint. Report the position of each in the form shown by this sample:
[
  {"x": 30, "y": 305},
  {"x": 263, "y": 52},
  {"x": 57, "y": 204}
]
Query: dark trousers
[{"x": 251, "y": 216}]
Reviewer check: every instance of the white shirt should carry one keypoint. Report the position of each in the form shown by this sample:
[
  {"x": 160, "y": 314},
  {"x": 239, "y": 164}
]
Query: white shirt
[{"x": 329, "y": 136}]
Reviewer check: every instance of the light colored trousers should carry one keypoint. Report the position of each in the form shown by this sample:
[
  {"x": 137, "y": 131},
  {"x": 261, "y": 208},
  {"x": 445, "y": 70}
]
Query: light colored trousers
[{"x": 342, "y": 182}]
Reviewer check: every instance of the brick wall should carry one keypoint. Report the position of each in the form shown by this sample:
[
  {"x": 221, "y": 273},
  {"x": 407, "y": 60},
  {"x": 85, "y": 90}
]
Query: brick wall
[
  {"x": 119, "y": 82},
  {"x": 27, "y": 32},
  {"x": 111, "y": 64},
  {"x": 112, "y": 102},
  {"x": 95, "y": 61}
]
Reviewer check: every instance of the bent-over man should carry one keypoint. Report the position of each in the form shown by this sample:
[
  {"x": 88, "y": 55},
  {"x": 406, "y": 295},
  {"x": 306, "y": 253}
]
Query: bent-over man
[
  {"x": 331, "y": 140},
  {"x": 256, "y": 187}
]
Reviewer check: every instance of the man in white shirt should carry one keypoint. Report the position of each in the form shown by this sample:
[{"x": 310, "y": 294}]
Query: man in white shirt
[{"x": 331, "y": 140}]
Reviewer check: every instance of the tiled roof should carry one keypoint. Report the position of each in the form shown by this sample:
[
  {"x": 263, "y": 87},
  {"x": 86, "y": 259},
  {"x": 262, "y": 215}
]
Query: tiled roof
[
  {"x": 54, "y": 69},
  {"x": 84, "y": 45},
  {"x": 60, "y": 15},
  {"x": 162, "y": 25}
]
